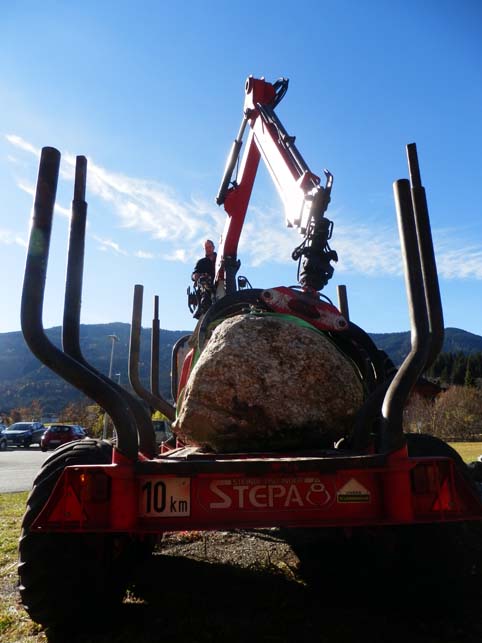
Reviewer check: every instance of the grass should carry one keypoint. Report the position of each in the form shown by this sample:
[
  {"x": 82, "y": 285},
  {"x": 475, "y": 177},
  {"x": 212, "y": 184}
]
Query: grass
[
  {"x": 15, "y": 624},
  {"x": 469, "y": 451},
  {"x": 12, "y": 506}
]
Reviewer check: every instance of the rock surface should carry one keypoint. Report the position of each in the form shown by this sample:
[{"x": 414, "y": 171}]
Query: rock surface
[{"x": 266, "y": 383}]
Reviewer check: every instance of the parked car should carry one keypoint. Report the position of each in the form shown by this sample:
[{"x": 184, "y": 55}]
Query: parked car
[
  {"x": 58, "y": 434},
  {"x": 23, "y": 434},
  {"x": 3, "y": 438}
]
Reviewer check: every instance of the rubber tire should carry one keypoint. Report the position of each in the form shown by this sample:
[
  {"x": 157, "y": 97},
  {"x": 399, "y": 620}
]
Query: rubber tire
[
  {"x": 455, "y": 549},
  {"x": 439, "y": 566},
  {"x": 475, "y": 469},
  {"x": 421, "y": 444},
  {"x": 68, "y": 578}
]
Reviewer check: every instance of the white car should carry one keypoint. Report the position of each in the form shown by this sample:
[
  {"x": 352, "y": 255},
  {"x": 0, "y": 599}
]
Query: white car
[{"x": 3, "y": 438}]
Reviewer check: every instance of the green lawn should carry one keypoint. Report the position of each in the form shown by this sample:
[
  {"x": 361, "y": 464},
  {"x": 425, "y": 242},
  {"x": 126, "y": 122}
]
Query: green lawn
[
  {"x": 15, "y": 625},
  {"x": 469, "y": 451},
  {"x": 12, "y": 506}
]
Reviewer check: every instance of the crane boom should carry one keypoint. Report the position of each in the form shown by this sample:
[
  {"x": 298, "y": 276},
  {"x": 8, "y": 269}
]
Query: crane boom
[{"x": 305, "y": 199}]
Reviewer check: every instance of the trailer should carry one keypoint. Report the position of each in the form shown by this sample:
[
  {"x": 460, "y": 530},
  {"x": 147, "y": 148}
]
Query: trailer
[{"x": 97, "y": 507}]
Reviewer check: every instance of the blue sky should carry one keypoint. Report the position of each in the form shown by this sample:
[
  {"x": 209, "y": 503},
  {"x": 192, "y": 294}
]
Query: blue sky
[{"x": 152, "y": 93}]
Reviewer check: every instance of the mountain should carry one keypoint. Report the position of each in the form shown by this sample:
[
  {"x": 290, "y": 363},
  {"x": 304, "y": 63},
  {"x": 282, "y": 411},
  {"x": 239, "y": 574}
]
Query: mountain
[
  {"x": 23, "y": 378},
  {"x": 397, "y": 345}
]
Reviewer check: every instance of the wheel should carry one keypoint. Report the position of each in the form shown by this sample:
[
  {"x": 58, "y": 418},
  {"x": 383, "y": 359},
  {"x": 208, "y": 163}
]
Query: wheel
[
  {"x": 453, "y": 550},
  {"x": 3, "y": 445},
  {"x": 71, "y": 578},
  {"x": 428, "y": 445},
  {"x": 475, "y": 469},
  {"x": 420, "y": 444}
]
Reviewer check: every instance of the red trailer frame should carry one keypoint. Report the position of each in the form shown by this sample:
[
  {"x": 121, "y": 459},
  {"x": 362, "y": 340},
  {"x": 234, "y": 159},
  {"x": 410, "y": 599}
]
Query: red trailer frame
[{"x": 188, "y": 490}]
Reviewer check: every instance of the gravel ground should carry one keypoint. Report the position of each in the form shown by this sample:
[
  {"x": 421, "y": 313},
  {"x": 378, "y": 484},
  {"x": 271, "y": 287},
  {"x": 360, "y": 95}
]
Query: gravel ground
[
  {"x": 271, "y": 586},
  {"x": 240, "y": 548}
]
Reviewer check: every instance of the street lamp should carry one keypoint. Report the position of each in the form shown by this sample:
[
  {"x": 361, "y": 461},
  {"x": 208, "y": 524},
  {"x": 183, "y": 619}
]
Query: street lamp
[{"x": 114, "y": 339}]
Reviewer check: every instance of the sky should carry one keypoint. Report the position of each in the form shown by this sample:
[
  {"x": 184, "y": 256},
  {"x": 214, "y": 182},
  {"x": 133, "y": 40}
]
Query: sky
[{"x": 152, "y": 94}]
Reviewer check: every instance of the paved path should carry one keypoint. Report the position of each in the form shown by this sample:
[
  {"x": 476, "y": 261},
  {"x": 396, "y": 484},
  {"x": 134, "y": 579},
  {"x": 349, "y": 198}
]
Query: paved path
[{"x": 18, "y": 468}]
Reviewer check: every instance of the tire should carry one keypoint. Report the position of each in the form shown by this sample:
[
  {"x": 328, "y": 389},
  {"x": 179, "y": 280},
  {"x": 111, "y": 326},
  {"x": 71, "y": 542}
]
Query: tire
[
  {"x": 3, "y": 445},
  {"x": 68, "y": 578},
  {"x": 420, "y": 444},
  {"x": 454, "y": 550},
  {"x": 475, "y": 469}
]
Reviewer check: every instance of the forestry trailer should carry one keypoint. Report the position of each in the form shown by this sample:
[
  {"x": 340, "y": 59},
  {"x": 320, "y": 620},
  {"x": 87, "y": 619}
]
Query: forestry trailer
[{"x": 98, "y": 506}]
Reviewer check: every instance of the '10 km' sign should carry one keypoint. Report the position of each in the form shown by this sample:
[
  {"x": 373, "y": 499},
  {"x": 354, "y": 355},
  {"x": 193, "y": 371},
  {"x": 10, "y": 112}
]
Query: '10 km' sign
[{"x": 162, "y": 498}]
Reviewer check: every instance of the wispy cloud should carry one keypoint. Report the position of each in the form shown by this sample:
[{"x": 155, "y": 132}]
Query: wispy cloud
[
  {"x": 108, "y": 244},
  {"x": 179, "y": 254},
  {"x": 30, "y": 190},
  {"x": 152, "y": 207},
  {"x": 9, "y": 238},
  {"x": 146, "y": 206},
  {"x": 22, "y": 144},
  {"x": 367, "y": 249},
  {"x": 456, "y": 260},
  {"x": 141, "y": 254},
  {"x": 180, "y": 225},
  {"x": 362, "y": 249}
]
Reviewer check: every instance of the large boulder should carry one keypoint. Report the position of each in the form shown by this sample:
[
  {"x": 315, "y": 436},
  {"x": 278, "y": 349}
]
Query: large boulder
[{"x": 268, "y": 383}]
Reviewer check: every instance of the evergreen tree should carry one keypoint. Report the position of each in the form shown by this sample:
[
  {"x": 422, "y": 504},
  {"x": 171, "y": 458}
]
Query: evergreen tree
[
  {"x": 469, "y": 379},
  {"x": 459, "y": 368},
  {"x": 445, "y": 375}
]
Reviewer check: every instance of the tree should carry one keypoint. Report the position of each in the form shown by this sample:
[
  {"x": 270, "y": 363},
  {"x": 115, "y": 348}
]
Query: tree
[
  {"x": 96, "y": 425},
  {"x": 459, "y": 368},
  {"x": 458, "y": 414},
  {"x": 83, "y": 413},
  {"x": 445, "y": 375},
  {"x": 455, "y": 414},
  {"x": 14, "y": 416},
  {"x": 418, "y": 415},
  {"x": 32, "y": 412},
  {"x": 469, "y": 379}
]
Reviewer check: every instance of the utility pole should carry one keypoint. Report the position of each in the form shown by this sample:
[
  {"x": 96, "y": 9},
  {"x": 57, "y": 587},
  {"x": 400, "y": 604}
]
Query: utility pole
[{"x": 114, "y": 339}]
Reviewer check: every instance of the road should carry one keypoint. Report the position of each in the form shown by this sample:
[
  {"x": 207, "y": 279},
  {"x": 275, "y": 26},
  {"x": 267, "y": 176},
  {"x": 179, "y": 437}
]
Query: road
[{"x": 18, "y": 468}]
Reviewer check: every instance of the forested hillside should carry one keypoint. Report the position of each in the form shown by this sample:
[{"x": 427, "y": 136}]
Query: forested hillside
[
  {"x": 24, "y": 379},
  {"x": 397, "y": 345}
]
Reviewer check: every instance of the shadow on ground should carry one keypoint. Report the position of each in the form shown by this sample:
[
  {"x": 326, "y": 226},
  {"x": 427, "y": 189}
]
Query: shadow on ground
[{"x": 329, "y": 598}]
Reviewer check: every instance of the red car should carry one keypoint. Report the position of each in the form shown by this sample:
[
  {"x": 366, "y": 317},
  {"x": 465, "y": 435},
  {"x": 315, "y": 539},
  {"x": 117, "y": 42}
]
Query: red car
[{"x": 58, "y": 434}]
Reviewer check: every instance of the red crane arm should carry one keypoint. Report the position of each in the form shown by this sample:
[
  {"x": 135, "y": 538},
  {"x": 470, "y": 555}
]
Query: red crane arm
[{"x": 304, "y": 199}]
